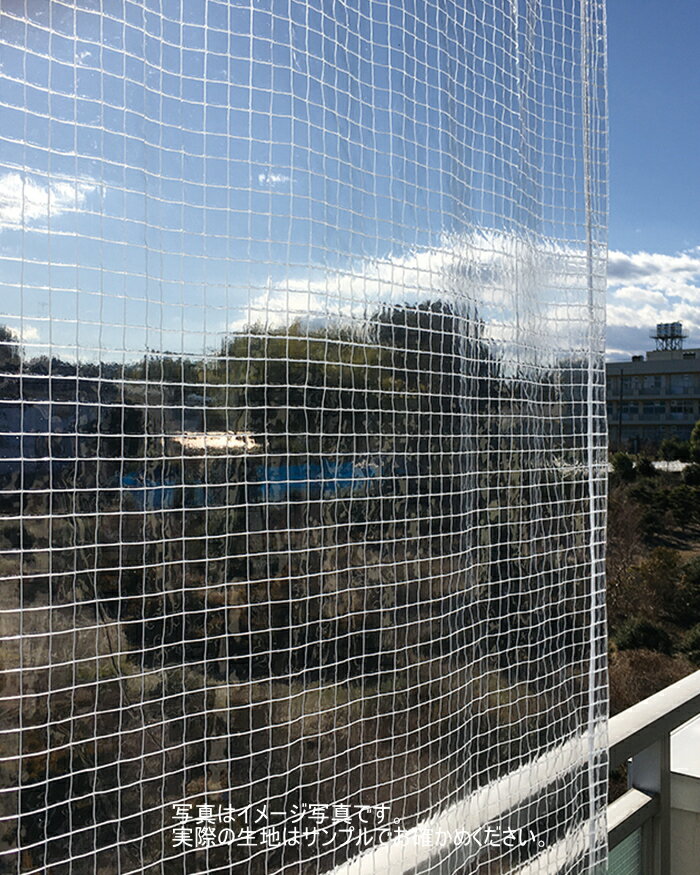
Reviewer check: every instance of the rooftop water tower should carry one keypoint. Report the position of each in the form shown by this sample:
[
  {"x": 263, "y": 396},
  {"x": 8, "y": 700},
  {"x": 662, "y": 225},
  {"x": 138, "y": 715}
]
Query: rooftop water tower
[{"x": 669, "y": 335}]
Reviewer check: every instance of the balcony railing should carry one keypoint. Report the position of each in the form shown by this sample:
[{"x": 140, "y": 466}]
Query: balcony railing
[
  {"x": 638, "y": 822},
  {"x": 641, "y": 818}
]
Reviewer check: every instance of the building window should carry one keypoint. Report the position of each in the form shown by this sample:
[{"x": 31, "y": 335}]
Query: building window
[
  {"x": 680, "y": 384},
  {"x": 653, "y": 409},
  {"x": 681, "y": 410}
]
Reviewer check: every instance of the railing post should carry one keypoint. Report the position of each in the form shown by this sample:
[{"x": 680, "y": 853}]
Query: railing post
[
  {"x": 646, "y": 727},
  {"x": 650, "y": 771}
]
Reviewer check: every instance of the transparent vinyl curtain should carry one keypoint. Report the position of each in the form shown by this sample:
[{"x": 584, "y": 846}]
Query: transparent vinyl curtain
[{"x": 302, "y": 436}]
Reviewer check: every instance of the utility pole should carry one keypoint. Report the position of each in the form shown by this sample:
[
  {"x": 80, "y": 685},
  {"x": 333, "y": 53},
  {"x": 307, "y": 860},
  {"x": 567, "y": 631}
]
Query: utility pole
[{"x": 619, "y": 412}]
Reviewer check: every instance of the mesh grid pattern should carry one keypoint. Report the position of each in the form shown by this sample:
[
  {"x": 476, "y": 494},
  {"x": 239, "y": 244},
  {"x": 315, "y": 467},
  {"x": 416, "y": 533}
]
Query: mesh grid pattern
[{"x": 302, "y": 436}]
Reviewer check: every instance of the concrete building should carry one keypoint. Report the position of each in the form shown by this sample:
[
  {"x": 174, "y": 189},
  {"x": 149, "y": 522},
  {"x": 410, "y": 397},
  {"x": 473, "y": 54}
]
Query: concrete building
[{"x": 654, "y": 397}]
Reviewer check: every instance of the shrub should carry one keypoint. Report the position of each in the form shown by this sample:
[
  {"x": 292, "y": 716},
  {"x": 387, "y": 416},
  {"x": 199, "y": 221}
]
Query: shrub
[
  {"x": 640, "y": 634},
  {"x": 672, "y": 449},
  {"x": 653, "y": 506},
  {"x": 651, "y": 588},
  {"x": 645, "y": 492},
  {"x": 682, "y": 502},
  {"x": 654, "y": 522},
  {"x": 694, "y": 443},
  {"x": 691, "y": 644},
  {"x": 691, "y": 572},
  {"x": 668, "y": 449},
  {"x": 624, "y": 547},
  {"x": 691, "y": 475},
  {"x": 623, "y": 466},
  {"x": 645, "y": 467},
  {"x": 687, "y": 607},
  {"x": 636, "y": 674}
]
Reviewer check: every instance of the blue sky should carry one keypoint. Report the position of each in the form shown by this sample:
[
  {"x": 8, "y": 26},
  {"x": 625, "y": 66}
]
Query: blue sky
[
  {"x": 191, "y": 167},
  {"x": 654, "y": 95},
  {"x": 164, "y": 171}
]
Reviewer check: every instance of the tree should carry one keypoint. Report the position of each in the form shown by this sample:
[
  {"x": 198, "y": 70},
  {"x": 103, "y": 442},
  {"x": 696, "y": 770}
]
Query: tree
[
  {"x": 9, "y": 351},
  {"x": 640, "y": 634},
  {"x": 694, "y": 445},
  {"x": 673, "y": 449},
  {"x": 623, "y": 466},
  {"x": 683, "y": 504},
  {"x": 645, "y": 467},
  {"x": 691, "y": 475}
]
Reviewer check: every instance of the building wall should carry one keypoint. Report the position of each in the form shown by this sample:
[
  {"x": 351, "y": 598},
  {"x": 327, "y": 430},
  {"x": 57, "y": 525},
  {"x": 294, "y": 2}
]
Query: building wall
[{"x": 653, "y": 399}]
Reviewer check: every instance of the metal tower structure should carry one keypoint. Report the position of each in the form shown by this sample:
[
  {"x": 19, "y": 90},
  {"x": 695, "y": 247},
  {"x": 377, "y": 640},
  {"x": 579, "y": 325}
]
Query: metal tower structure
[{"x": 669, "y": 335}]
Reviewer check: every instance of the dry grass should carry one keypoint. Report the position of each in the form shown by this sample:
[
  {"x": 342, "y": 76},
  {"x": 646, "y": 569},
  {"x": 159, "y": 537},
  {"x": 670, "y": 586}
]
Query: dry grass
[{"x": 637, "y": 674}]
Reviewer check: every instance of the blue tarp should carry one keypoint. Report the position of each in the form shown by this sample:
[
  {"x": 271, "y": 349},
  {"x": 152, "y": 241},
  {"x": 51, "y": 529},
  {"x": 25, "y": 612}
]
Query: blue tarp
[
  {"x": 270, "y": 483},
  {"x": 327, "y": 478}
]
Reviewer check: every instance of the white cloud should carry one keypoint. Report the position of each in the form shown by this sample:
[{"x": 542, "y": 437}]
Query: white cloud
[
  {"x": 639, "y": 295},
  {"x": 492, "y": 275},
  {"x": 29, "y": 333},
  {"x": 24, "y": 200},
  {"x": 645, "y": 288},
  {"x": 502, "y": 279},
  {"x": 270, "y": 179},
  {"x": 26, "y": 334},
  {"x": 646, "y": 265}
]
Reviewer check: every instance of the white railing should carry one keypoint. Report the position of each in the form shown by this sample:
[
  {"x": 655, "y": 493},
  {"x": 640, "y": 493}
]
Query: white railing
[{"x": 641, "y": 737}]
